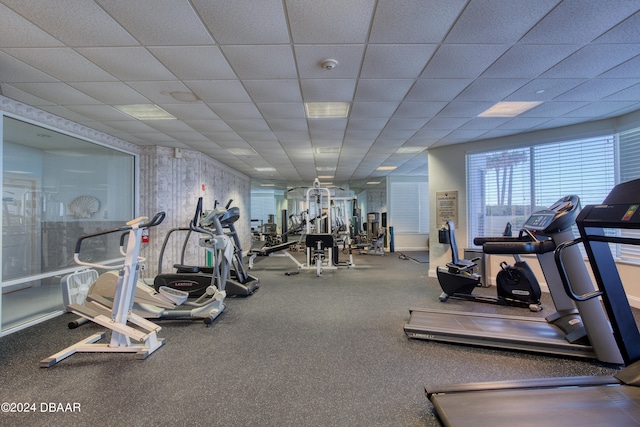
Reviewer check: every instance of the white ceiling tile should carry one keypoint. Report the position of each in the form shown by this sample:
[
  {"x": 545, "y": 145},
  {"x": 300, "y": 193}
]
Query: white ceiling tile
[
  {"x": 373, "y": 109},
  {"x": 234, "y": 111},
  {"x": 249, "y": 125},
  {"x": 395, "y": 23},
  {"x": 596, "y": 89},
  {"x": 593, "y": 60},
  {"x": 318, "y": 90},
  {"x": 208, "y": 125},
  {"x": 481, "y": 19},
  {"x": 27, "y": 34},
  {"x": 462, "y": 60},
  {"x": 551, "y": 88},
  {"x": 630, "y": 94},
  {"x": 61, "y": 63},
  {"x": 629, "y": 69},
  {"x": 281, "y": 90},
  {"x": 261, "y": 62},
  {"x": 288, "y": 124},
  {"x": 59, "y": 93},
  {"x": 329, "y": 21},
  {"x": 396, "y": 61},
  {"x": 490, "y": 89},
  {"x": 528, "y": 60},
  {"x": 218, "y": 90},
  {"x": 309, "y": 58},
  {"x": 281, "y": 110},
  {"x": 154, "y": 22},
  {"x": 419, "y": 109},
  {"x": 74, "y": 23},
  {"x": 373, "y": 123},
  {"x": 429, "y": 90},
  {"x": 114, "y": 93},
  {"x": 580, "y": 21},
  {"x": 97, "y": 112},
  {"x": 159, "y": 92},
  {"x": 128, "y": 63},
  {"x": 382, "y": 90},
  {"x": 194, "y": 62},
  {"x": 244, "y": 21},
  {"x": 599, "y": 108},
  {"x": 189, "y": 111},
  {"x": 406, "y": 123},
  {"x": 625, "y": 32},
  {"x": 21, "y": 96},
  {"x": 15, "y": 71}
]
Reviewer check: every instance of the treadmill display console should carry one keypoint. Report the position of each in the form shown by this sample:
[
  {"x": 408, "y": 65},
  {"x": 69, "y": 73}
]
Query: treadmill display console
[{"x": 539, "y": 220}]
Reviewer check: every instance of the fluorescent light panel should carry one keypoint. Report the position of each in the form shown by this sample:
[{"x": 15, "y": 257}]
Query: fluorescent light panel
[
  {"x": 509, "y": 109},
  {"x": 265, "y": 169},
  {"x": 387, "y": 168},
  {"x": 242, "y": 151},
  {"x": 373, "y": 182},
  {"x": 410, "y": 150},
  {"x": 326, "y": 176},
  {"x": 145, "y": 112},
  {"x": 325, "y": 168},
  {"x": 327, "y": 110},
  {"x": 327, "y": 150}
]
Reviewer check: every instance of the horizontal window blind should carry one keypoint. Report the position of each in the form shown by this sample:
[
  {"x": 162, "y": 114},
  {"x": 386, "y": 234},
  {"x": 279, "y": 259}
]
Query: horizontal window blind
[
  {"x": 498, "y": 191},
  {"x": 409, "y": 206},
  {"x": 629, "y": 143}
]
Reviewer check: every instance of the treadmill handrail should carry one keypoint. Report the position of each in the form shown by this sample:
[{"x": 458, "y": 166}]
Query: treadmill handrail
[
  {"x": 525, "y": 243},
  {"x": 563, "y": 273}
]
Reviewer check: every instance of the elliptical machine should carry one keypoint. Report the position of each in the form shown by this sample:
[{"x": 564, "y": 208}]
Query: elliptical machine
[
  {"x": 196, "y": 279},
  {"x": 516, "y": 284}
]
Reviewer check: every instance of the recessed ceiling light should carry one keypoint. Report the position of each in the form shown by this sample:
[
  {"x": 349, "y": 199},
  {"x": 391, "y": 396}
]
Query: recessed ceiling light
[
  {"x": 242, "y": 151},
  {"x": 325, "y": 168},
  {"x": 540, "y": 91},
  {"x": 265, "y": 169},
  {"x": 327, "y": 110},
  {"x": 326, "y": 176},
  {"x": 410, "y": 150},
  {"x": 327, "y": 150},
  {"x": 267, "y": 185},
  {"x": 145, "y": 112},
  {"x": 373, "y": 182},
  {"x": 509, "y": 109},
  {"x": 386, "y": 168}
]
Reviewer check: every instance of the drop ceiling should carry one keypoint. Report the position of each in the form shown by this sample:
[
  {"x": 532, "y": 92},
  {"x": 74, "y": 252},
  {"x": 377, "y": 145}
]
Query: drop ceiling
[{"x": 236, "y": 74}]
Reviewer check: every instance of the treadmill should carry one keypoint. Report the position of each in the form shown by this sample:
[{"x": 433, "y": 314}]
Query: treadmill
[
  {"x": 577, "y": 329},
  {"x": 583, "y": 401}
]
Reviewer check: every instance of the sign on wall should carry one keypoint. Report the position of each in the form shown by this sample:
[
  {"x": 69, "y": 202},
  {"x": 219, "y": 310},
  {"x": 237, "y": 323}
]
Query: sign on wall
[{"x": 446, "y": 207}]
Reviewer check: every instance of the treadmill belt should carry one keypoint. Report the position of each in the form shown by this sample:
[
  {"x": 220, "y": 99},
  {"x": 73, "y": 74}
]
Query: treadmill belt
[{"x": 597, "y": 406}]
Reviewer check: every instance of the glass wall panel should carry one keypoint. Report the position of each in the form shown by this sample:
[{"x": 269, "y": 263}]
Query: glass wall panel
[{"x": 55, "y": 188}]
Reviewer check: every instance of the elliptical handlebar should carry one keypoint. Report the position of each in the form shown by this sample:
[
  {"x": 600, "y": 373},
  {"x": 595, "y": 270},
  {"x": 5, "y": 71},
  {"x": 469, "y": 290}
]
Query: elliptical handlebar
[{"x": 133, "y": 224}]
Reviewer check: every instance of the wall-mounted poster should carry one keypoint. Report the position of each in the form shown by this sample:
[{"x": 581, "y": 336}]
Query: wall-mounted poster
[{"x": 446, "y": 207}]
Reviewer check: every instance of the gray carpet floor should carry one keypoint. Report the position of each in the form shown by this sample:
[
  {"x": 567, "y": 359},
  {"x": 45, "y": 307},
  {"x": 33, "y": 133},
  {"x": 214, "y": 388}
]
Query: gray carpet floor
[{"x": 302, "y": 351}]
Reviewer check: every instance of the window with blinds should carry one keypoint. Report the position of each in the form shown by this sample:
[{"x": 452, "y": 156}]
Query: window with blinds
[
  {"x": 629, "y": 143},
  {"x": 409, "y": 206},
  {"x": 506, "y": 186}
]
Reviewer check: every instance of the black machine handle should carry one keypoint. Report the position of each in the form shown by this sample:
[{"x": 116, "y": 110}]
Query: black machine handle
[
  {"x": 156, "y": 220},
  {"x": 228, "y": 204},
  {"x": 194, "y": 225},
  {"x": 525, "y": 243},
  {"x": 563, "y": 273}
]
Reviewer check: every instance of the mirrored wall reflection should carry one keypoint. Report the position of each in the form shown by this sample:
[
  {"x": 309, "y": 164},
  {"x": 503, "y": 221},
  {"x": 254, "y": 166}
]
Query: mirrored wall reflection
[{"x": 55, "y": 188}]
